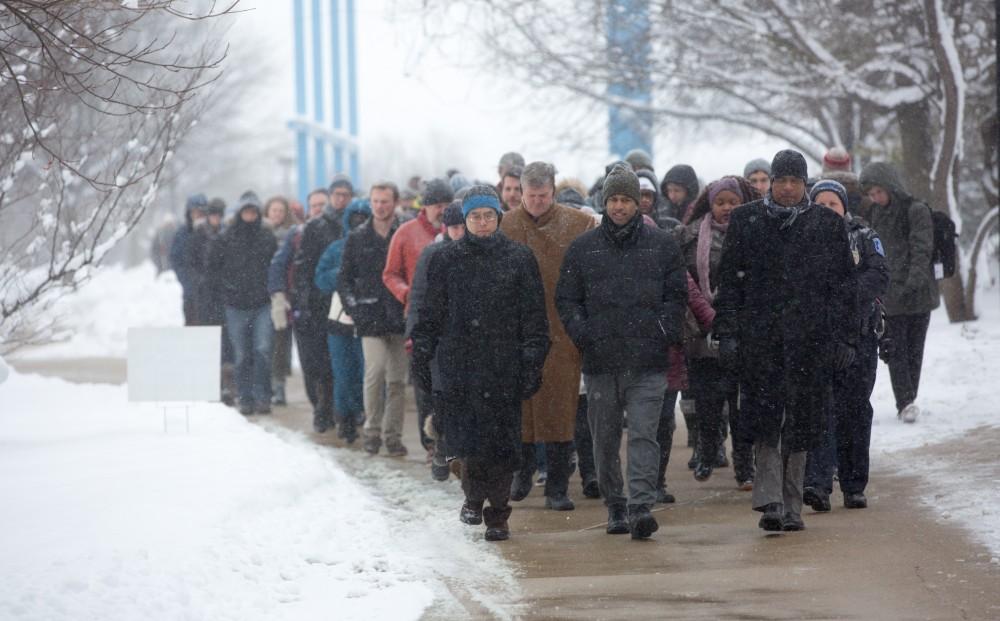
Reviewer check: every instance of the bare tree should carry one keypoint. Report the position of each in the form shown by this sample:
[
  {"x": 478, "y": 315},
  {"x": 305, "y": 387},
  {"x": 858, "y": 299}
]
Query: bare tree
[
  {"x": 95, "y": 96},
  {"x": 903, "y": 81}
]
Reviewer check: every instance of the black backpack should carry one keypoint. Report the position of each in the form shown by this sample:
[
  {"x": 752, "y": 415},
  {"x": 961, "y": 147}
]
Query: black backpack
[{"x": 945, "y": 247}]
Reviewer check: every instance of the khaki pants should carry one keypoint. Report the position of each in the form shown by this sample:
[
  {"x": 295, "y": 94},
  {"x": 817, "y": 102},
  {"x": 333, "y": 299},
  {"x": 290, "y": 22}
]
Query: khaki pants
[{"x": 385, "y": 373}]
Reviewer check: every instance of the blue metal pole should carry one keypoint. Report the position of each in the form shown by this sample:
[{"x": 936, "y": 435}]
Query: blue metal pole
[
  {"x": 352, "y": 93},
  {"x": 319, "y": 144},
  {"x": 337, "y": 79},
  {"x": 302, "y": 147},
  {"x": 628, "y": 37}
]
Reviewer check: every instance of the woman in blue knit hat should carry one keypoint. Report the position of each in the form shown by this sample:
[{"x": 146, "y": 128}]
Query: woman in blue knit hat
[{"x": 482, "y": 319}]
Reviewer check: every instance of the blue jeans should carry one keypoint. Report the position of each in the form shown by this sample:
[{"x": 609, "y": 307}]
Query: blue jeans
[
  {"x": 347, "y": 361},
  {"x": 252, "y": 334}
]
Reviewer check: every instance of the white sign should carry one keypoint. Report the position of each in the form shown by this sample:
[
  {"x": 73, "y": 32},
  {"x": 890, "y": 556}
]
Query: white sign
[{"x": 174, "y": 364}]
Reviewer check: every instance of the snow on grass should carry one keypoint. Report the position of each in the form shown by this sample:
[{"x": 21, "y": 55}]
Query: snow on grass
[
  {"x": 94, "y": 320},
  {"x": 106, "y": 516},
  {"x": 958, "y": 399},
  {"x": 958, "y": 390}
]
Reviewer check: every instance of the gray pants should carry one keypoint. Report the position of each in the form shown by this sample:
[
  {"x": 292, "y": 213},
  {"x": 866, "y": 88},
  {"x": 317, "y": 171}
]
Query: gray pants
[
  {"x": 609, "y": 396},
  {"x": 779, "y": 478}
]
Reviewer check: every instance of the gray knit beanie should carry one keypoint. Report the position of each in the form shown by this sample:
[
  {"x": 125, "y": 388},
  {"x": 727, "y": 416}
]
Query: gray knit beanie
[
  {"x": 621, "y": 180},
  {"x": 755, "y": 165}
]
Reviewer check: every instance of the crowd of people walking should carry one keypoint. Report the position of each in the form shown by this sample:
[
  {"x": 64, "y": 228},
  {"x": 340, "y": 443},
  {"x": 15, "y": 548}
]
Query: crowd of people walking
[{"x": 538, "y": 322}]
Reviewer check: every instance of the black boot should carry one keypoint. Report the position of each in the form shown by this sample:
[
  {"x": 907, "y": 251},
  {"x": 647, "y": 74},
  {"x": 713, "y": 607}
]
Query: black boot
[
  {"x": 520, "y": 487},
  {"x": 855, "y": 500},
  {"x": 559, "y": 456},
  {"x": 497, "y": 528},
  {"x": 816, "y": 498},
  {"x": 590, "y": 488},
  {"x": 617, "y": 520},
  {"x": 772, "y": 520},
  {"x": 641, "y": 522},
  {"x": 471, "y": 513}
]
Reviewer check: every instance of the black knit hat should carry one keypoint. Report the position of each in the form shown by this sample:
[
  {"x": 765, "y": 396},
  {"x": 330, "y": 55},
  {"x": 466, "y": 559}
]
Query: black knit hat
[
  {"x": 453, "y": 214},
  {"x": 437, "y": 191},
  {"x": 621, "y": 180},
  {"x": 789, "y": 163}
]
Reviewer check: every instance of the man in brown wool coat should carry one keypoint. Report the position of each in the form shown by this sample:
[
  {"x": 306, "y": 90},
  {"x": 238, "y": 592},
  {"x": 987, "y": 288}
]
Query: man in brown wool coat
[{"x": 548, "y": 228}]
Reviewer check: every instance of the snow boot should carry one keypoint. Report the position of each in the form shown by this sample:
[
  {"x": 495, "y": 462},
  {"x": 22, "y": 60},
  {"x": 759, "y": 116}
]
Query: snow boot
[
  {"x": 372, "y": 444},
  {"x": 279, "y": 395},
  {"x": 347, "y": 430},
  {"x": 663, "y": 497},
  {"x": 246, "y": 408},
  {"x": 792, "y": 522},
  {"x": 772, "y": 520},
  {"x": 818, "y": 499},
  {"x": 471, "y": 513},
  {"x": 855, "y": 500},
  {"x": 559, "y": 502},
  {"x": 909, "y": 413},
  {"x": 617, "y": 520},
  {"x": 321, "y": 423},
  {"x": 497, "y": 528},
  {"x": 591, "y": 489},
  {"x": 396, "y": 449},
  {"x": 641, "y": 522}
]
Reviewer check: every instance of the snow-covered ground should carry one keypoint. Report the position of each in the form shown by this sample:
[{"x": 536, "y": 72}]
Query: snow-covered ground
[
  {"x": 108, "y": 516},
  {"x": 93, "y": 321}
]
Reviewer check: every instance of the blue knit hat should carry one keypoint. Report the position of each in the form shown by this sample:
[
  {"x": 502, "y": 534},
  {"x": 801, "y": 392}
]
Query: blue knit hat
[
  {"x": 480, "y": 196},
  {"x": 829, "y": 185}
]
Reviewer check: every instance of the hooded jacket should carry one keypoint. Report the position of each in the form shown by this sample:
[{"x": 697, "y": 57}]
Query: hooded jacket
[
  {"x": 661, "y": 212},
  {"x": 682, "y": 175},
  {"x": 241, "y": 260},
  {"x": 906, "y": 229}
]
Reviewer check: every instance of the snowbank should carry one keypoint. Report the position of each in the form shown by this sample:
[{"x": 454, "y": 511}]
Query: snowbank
[
  {"x": 957, "y": 395},
  {"x": 106, "y": 516},
  {"x": 94, "y": 320},
  {"x": 957, "y": 385}
]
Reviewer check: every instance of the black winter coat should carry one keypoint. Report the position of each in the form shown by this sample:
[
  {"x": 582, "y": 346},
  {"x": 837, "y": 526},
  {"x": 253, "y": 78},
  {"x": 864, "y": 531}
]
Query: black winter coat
[
  {"x": 317, "y": 235},
  {"x": 241, "y": 259},
  {"x": 483, "y": 317},
  {"x": 374, "y": 309},
  {"x": 621, "y": 297},
  {"x": 788, "y": 295},
  {"x": 209, "y": 304}
]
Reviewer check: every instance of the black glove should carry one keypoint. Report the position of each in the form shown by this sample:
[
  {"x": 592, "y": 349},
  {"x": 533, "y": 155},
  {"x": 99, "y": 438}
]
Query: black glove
[
  {"x": 843, "y": 356},
  {"x": 530, "y": 386},
  {"x": 729, "y": 353},
  {"x": 885, "y": 349}
]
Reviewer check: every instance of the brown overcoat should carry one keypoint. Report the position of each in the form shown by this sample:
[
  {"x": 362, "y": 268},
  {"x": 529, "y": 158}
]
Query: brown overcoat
[{"x": 550, "y": 416}]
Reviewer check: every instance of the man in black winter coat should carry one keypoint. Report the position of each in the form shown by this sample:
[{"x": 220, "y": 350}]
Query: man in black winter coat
[
  {"x": 845, "y": 444},
  {"x": 786, "y": 319},
  {"x": 483, "y": 321},
  {"x": 241, "y": 259},
  {"x": 313, "y": 305},
  {"x": 378, "y": 320},
  {"x": 621, "y": 296}
]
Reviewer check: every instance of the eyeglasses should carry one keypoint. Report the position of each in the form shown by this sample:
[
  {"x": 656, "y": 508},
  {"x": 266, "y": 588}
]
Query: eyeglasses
[{"x": 489, "y": 216}]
